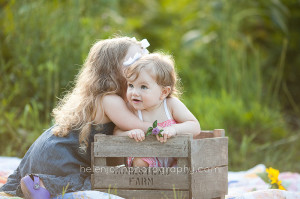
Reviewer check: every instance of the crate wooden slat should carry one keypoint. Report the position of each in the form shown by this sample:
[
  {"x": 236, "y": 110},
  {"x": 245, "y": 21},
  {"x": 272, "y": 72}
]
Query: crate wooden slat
[
  {"x": 117, "y": 146},
  {"x": 148, "y": 194},
  {"x": 209, "y": 152},
  {"x": 210, "y": 183},
  {"x": 211, "y": 134},
  {"x": 141, "y": 178}
]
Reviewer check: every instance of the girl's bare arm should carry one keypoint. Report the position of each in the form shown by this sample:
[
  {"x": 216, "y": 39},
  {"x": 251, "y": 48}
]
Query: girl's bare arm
[{"x": 116, "y": 110}]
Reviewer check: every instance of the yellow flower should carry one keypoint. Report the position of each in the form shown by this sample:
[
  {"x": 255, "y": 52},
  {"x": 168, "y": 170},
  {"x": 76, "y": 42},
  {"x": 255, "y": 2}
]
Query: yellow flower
[
  {"x": 272, "y": 173},
  {"x": 281, "y": 187},
  {"x": 273, "y": 176}
]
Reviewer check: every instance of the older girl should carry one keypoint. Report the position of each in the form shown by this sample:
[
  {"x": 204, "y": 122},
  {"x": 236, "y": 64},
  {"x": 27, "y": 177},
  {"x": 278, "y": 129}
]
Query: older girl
[{"x": 95, "y": 105}]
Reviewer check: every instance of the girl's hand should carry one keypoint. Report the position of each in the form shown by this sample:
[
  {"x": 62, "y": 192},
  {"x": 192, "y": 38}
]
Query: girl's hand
[
  {"x": 136, "y": 134},
  {"x": 167, "y": 133}
]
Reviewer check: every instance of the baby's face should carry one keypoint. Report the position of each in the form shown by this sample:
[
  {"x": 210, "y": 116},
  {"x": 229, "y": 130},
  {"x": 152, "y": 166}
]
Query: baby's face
[{"x": 143, "y": 93}]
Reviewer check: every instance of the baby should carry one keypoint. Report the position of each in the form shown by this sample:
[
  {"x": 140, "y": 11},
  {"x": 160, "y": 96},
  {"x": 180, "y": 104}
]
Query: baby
[{"x": 151, "y": 93}]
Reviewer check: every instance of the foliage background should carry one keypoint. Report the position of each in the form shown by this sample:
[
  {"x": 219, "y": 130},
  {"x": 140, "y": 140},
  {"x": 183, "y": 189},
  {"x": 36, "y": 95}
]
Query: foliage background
[{"x": 238, "y": 61}]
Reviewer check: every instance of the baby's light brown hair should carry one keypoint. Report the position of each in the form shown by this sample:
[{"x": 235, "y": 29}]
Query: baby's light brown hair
[{"x": 162, "y": 69}]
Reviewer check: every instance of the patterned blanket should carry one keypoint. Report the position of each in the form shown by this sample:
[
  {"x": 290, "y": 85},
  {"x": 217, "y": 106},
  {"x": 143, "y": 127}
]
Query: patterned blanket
[
  {"x": 247, "y": 185},
  {"x": 241, "y": 185},
  {"x": 9, "y": 164}
]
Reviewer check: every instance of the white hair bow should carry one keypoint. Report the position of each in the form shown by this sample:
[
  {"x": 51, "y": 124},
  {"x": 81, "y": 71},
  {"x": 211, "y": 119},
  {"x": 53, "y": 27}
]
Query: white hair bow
[{"x": 131, "y": 60}]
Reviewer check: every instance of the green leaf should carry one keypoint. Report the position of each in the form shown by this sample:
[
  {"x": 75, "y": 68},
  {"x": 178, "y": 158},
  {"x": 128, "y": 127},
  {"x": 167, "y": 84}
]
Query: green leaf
[
  {"x": 274, "y": 186},
  {"x": 148, "y": 133},
  {"x": 161, "y": 130},
  {"x": 155, "y": 124},
  {"x": 264, "y": 177},
  {"x": 160, "y": 135}
]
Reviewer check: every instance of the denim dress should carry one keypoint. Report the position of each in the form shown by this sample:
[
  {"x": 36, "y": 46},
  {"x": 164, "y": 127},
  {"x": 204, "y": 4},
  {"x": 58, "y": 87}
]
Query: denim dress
[{"x": 58, "y": 161}]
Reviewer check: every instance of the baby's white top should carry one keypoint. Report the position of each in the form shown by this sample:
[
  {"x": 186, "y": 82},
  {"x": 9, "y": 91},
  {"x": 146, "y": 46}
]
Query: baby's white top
[{"x": 166, "y": 111}]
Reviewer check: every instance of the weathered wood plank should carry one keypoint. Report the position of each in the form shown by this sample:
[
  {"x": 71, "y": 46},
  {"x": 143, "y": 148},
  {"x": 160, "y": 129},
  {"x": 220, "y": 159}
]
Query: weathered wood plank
[
  {"x": 219, "y": 133},
  {"x": 92, "y": 156},
  {"x": 118, "y": 146},
  {"x": 147, "y": 194},
  {"x": 205, "y": 134},
  {"x": 209, "y": 152},
  {"x": 141, "y": 178},
  {"x": 99, "y": 162},
  {"x": 211, "y": 134},
  {"x": 98, "y": 136},
  {"x": 92, "y": 181},
  {"x": 208, "y": 156},
  {"x": 183, "y": 162},
  {"x": 210, "y": 183}
]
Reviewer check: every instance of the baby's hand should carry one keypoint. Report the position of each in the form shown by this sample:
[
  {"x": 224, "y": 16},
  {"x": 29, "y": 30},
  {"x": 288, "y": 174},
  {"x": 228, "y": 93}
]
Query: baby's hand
[
  {"x": 167, "y": 133},
  {"x": 136, "y": 134}
]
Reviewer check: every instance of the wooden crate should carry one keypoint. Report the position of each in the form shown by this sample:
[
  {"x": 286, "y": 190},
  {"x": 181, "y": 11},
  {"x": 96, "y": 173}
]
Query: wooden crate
[{"x": 201, "y": 173}]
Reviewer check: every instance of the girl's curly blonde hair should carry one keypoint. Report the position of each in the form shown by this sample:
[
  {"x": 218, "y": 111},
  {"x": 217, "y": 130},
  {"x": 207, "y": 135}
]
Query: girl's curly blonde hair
[{"x": 101, "y": 74}]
